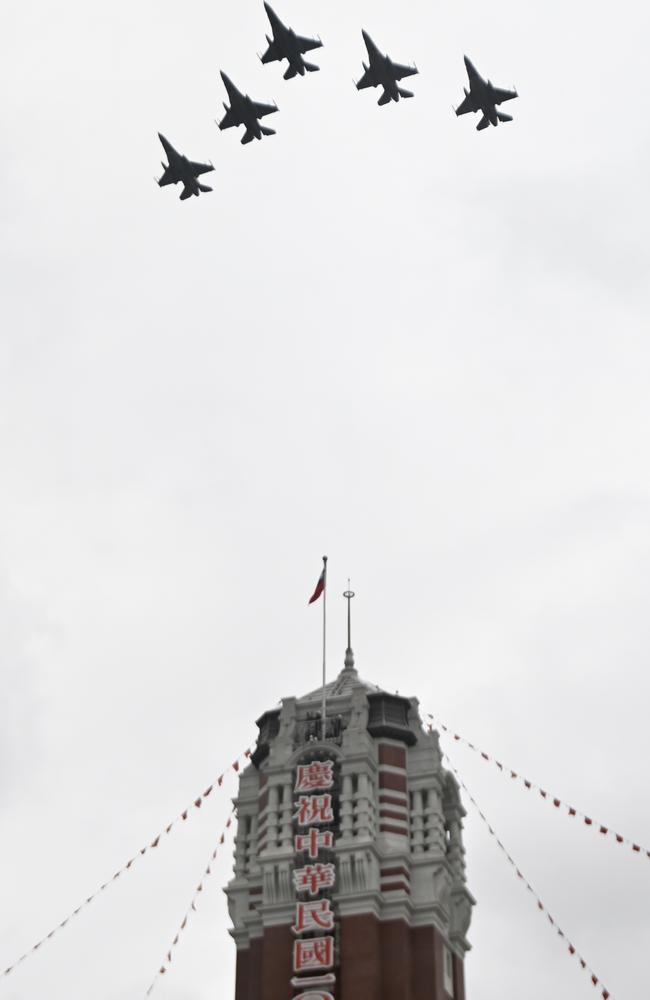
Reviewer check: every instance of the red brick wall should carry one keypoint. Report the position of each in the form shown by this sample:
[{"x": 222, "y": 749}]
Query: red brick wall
[
  {"x": 395, "y": 756},
  {"x": 241, "y": 983},
  {"x": 255, "y": 970},
  {"x": 277, "y": 963},
  {"x": 459, "y": 978},
  {"x": 423, "y": 971},
  {"x": 360, "y": 971},
  {"x": 379, "y": 961},
  {"x": 395, "y": 937}
]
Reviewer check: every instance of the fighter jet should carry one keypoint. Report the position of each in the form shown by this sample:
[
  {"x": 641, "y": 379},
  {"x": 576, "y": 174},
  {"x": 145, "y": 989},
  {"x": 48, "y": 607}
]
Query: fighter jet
[
  {"x": 382, "y": 72},
  {"x": 180, "y": 169},
  {"x": 286, "y": 44},
  {"x": 483, "y": 96},
  {"x": 244, "y": 111}
]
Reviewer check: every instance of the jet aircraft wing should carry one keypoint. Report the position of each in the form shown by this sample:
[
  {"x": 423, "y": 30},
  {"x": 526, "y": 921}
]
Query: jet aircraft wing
[
  {"x": 260, "y": 110},
  {"x": 500, "y": 95},
  {"x": 307, "y": 44},
  {"x": 366, "y": 80},
  {"x": 185, "y": 193},
  {"x": 399, "y": 72},
  {"x": 465, "y": 106},
  {"x": 200, "y": 168},
  {"x": 229, "y": 120},
  {"x": 272, "y": 54}
]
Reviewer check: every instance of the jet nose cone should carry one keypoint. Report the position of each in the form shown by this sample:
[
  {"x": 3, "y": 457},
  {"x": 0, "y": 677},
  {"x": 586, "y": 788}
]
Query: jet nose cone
[
  {"x": 224, "y": 77},
  {"x": 366, "y": 36}
]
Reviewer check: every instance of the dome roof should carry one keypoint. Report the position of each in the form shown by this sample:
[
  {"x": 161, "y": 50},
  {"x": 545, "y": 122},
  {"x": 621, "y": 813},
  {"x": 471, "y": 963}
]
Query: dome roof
[{"x": 342, "y": 686}]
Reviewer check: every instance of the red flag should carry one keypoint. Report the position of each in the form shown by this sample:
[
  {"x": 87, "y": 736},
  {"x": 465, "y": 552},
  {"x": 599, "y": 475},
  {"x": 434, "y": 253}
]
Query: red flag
[{"x": 320, "y": 586}]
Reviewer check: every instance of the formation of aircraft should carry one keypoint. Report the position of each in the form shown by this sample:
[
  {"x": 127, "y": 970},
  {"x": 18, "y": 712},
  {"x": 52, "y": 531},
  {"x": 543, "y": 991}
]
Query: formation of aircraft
[{"x": 380, "y": 71}]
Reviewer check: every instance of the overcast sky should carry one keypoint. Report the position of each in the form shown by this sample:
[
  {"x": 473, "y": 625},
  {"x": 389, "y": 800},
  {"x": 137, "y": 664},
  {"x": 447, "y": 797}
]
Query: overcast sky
[{"x": 420, "y": 349}]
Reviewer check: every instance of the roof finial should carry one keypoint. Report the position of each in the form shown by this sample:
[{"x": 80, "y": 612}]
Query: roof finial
[{"x": 349, "y": 655}]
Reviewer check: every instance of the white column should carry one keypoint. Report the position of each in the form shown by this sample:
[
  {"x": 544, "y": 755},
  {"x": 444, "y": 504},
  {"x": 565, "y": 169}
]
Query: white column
[
  {"x": 347, "y": 808},
  {"x": 272, "y": 818},
  {"x": 286, "y": 812},
  {"x": 363, "y": 809},
  {"x": 417, "y": 823}
]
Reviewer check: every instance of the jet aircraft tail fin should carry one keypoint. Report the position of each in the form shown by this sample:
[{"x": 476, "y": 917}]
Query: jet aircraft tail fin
[
  {"x": 203, "y": 187},
  {"x": 484, "y": 122},
  {"x": 267, "y": 131},
  {"x": 503, "y": 117},
  {"x": 404, "y": 93},
  {"x": 290, "y": 72},
  {"x": 384, "y": 99},
  {"x": 311, "y": 67}
]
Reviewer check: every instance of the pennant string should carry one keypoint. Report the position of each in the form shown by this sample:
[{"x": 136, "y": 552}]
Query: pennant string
[
  {"x": 218, "y": 782},
  {"x": 205, "y": 874},
  {"x": 604, "y": 993},
  {"x": 556, "y": 802}
]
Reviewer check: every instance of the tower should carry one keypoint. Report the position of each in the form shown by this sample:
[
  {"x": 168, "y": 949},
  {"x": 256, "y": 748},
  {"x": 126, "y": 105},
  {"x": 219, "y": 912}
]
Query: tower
[{"x": 349, "y": 878}]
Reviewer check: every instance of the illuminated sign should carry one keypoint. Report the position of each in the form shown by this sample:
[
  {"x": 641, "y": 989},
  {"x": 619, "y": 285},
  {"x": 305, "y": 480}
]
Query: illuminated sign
[{"x": 314, "y": 926}]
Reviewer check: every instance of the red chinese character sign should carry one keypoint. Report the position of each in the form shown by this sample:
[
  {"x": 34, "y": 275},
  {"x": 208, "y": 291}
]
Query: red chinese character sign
[
  {"x": 314, "y": 916},
  {"x": 315, "y": 777},
  {"x": 313, "y": 841},
  {"x": 314, "y": 809},
  {"x": 314, "y": 878}
]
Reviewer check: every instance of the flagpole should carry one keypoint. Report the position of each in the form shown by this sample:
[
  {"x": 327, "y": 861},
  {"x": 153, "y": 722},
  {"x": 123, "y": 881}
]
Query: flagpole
[{"x": 324, "y": 644}]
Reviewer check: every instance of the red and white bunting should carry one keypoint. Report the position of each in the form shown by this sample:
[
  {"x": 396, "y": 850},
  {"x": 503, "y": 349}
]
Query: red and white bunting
[
  {"x": 557, "y": 803},
  {"x": 182, "y": 816},
  {"x": 164, "y": 968},
  {"x": 605, "y": 994}
]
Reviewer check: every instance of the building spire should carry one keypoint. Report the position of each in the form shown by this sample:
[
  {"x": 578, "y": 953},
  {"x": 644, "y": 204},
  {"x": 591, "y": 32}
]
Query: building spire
[{"x": 349, "y": 655}]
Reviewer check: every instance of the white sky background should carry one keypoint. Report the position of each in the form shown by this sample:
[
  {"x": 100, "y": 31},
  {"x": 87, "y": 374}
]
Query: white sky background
[{"x": 385, "y": 336}]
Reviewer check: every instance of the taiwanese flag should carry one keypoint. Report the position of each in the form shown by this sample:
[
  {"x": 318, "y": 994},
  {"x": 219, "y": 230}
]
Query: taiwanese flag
[{"x": 320, "y": 586}]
